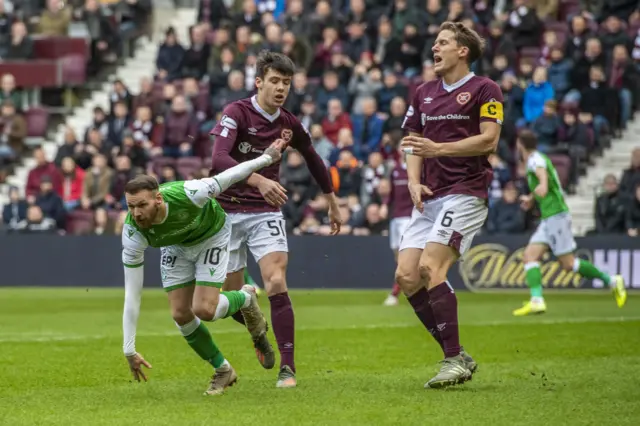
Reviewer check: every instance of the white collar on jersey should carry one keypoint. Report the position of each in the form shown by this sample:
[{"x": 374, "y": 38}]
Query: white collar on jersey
[
  {"x": 265, "y": 114},
  {"x": 458, "y": 84}
]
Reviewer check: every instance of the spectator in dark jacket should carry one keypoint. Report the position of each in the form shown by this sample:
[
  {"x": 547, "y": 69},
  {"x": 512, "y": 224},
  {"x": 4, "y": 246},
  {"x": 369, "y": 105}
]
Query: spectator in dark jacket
[
  {"x": 170, "y": 57},
  {"x": 631, "y": 177},
  {"x": 600, "y": 101},
  {"x": 392, "y": 88},
  {"x": 179, "y": 128},
  {"x": 547, "y": 125},
  {"x": 506, "y": 217},
  {"x": 20, "y": 45},
  {"x": 632, "y": 217},
  {"x": 579, "y": 33},
  {"x": 593, "y": 55},
  {"x": 118, "y": 124},
  {"x": 36, "y": 222},
  {"x": 212, "y": 12},
  {"x": 196, "y": 58},
  {"x": 523, "y": 25},
  {"x": 560, "y": 73},
  {"x": 50, "y": 203},
  {"x": 610, "y": 208},
  {"x": 15, "y": 211},
  {"x": 330, "y": 89},
  {"x": 296, "y": 179}
]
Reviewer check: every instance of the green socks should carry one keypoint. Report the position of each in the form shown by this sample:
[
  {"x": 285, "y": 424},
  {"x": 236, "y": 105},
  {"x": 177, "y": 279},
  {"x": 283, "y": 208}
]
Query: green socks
[
  {"x": 588, "y": 270},
  {"x": 237, "y": 301},
  {"x": 534, "y": 279},
  {"x": 200, "y": 340}
]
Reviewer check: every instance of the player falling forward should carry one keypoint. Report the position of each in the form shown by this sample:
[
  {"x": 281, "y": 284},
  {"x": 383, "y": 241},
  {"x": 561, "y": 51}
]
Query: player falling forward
[
  {"x": 401, "y": 205},
  {"x": 454, "y": 123},
  {"x": 554, "y": 231},
  {"x": 247, "y": 127},
  {"x": 185, "y": 220}
]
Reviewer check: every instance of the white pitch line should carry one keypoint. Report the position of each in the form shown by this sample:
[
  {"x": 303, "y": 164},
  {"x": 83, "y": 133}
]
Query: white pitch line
[{"x": 31, "y": 337}]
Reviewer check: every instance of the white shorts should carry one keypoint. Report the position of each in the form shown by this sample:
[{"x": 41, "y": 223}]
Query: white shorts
[
  {"x": 396, "y": 229},
  {"x": 262, "y": 233},
  {"x": 452, "y": 220},
  {"x": 555, "y": 232},
  {"x": 204, "y": 263}
]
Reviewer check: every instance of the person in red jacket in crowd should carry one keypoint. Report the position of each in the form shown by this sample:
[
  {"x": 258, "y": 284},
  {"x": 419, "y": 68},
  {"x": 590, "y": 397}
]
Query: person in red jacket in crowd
[
  {"x": 43, "y": 168},
  {"x": 72, "y": 179},
  {"x": 335, "y": 120}
]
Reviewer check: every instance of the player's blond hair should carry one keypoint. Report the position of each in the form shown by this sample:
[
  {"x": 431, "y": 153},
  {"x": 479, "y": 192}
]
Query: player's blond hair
[{"x": 466, "y": 37}]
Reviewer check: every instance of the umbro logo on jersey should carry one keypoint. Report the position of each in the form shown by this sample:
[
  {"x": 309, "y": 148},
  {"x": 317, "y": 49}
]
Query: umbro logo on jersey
[
  {"x": 252, "y": 131},
  {"x": 427, "y": 100}
]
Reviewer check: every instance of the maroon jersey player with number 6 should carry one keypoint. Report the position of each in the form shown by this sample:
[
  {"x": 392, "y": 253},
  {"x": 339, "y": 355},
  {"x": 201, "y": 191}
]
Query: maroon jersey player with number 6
[
  {"x": 454, "y": 123},
  {"x": 246, "y": 129}
]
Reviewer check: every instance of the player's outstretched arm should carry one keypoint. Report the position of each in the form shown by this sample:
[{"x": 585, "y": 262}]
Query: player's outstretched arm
[
  {"x": 133, "y": 246},
  {"x": 201, "y": 190}
]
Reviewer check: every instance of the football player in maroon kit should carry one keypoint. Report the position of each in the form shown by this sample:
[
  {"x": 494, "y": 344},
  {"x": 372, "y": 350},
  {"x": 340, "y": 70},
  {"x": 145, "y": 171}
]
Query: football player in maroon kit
[
  {"x": 246, "y": 129},
  {"x": 454, "y": 123},
  {"x": 401, "y": 208}
]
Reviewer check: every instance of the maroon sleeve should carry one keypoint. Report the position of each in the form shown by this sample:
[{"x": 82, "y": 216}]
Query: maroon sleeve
[
  {"x": 223, "y": 136},
  {"x": 302, "y": 142},
  {"x": 411, "y": 121}
]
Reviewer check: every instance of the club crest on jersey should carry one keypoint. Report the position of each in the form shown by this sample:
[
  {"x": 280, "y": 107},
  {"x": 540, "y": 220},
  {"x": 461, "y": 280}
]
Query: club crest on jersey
[
  {"x": 287, "y": 134},
  {"x": 244, "y": 147},
  {"x": 463, "y": 98}
]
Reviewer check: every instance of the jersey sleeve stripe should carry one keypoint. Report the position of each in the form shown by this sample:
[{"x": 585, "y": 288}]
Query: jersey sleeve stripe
[{"x": 209, "y": 284}]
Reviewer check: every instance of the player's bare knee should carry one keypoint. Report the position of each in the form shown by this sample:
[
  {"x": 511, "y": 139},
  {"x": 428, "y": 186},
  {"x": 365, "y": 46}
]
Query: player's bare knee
[
  {"x": 275, "y": 282},
  {"x": 567, "y": 262},
  {"x": 181, "y": 314},
  {"x": 205, "y": 310},
  {"x": 530, "y": 255},
  {"x": 408, "y": 280},
  {"x": 426, "y": 272}
]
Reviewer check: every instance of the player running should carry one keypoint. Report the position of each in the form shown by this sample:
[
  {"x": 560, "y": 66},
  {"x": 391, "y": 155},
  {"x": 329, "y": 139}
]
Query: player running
[
  {"x": 454, "y": 123},
  {"x": 401, "y": 205},
  {"x": 554, "y": 231},
  {"x": 185, "y": 220},
  {"x": 246, "y": 128}
]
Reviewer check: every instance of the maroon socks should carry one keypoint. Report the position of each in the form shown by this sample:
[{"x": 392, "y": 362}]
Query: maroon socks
[
  {"x": 444, "y": 306},
  {"x": 283, "y": 324}
]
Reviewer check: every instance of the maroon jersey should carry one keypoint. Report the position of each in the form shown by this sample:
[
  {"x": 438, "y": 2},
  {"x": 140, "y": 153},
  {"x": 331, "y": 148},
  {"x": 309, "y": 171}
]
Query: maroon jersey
[
  {"x": 243, "y": 133},
  {"x": 448, "y": 114},
  {"x": 400, "y": 198}
]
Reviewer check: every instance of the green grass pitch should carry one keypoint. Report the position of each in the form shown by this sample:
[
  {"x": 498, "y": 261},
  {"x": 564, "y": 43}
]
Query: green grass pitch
[{"x": 359, "y": 363}]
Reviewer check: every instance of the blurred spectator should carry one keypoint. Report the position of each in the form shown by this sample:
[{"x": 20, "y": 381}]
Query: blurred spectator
[
  {"x": 20, "y": 46},
  {"x": 625, "y": 78},
  {"x": 212, "y": 12},
  {"x": 119, "y": 93},
  {"x": 136, "y": 151},
  {"x": 55, "y": 19},
  {"x": 69, "y": 146},
  {"x": 309, "y": 114},
  {"x": 363, "y": 85},
  {"x": 97, "y": 183},
  {"x": 593, "y": 56},
  {"x": 100, "y": 123},
  {"x": 15, "y": 211},
  {"x": 123, "y": 174},
  {"x": 296, "y": 179},
  {"x": 374, "y": 223},
  {"x": 72, "y": 184},
  {"x": 501, "y": 176},
  {"x": 14, "y": 127},
  {"x": 36, "y": 222},
  {"x": 101, "y": 33},
  {"x": 219, "y": 74},
  {"x": 613, "y": 35},
  {"x": 50, "y": 203},
  {"x": 145, "y": 97},
  {"x": 8, "y": 90},
  {"x": 42, "y": 168},
  {"x": 372, "y": 173},
  {"x": 411, "y": 50},
  {"x": 169, "y": 174},
  {"x": 102, "y": 223},
  {"x": 498, "y": 44},
  {"x": 335, "y": 120},
  {"x": 632, "y": 217},
  {"x": 506, "y": 217},
  {"x": 234, "y": 91},
  {"x": 170, "y": 56},
  {"x": 142, "y": 127},
  {"x": 546, "y": 126},
  {"x": 523, "y": 25},
  {"x": 367, "y": 127},
  {"x": 547, "y": 9},
  {"x": 293, "y": 19},
  {"x": 330, "y": 89},
  {"x": 610, "y": 208},
  {"x": 299, "y": 90},
  {"x": 179, "y": 129},
  {"x": 574, "y": 132},
  {"x": 396, "y": 117},
  {"x": 579, "y": 33},
  {"x": 118, "y": 123},
  {"x": 248, "y": 16},
  {"x": 298, "y": 49},
  {"x": 387, "y": 46},
  {"x": 390, "y": 90},
  {"x": 631, "y": 176},
  {"x": 536, "y": 94},
  {"x": 195, "y": 59},
  {"x": 560, "y": 72},
  {"x": 600, "y": 101},
  {"x": 346, "y": 175},
  {"x": 321, "y": 144}
]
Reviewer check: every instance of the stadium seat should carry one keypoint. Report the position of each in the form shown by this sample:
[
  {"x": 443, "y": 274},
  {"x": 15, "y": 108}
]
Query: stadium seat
[
  {"x": 562, "y": 163},
  {"x": 530, "y": 52},
  {"x": 74, "y": 70},
  {"x": 79, "y": 221},
  {"x": 187, "y": 166},
  {"x": 159, "y": 162},
  {"x": 37, "y": 120}
]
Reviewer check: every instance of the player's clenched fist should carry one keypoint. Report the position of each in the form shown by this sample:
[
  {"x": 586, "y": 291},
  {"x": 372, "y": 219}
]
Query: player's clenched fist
[
  {"x": 422, "y": 147},
  {"x": 417, "y": 191},
  {"x": 135, "y": 365},
  {"x": 275, "y": 150}
]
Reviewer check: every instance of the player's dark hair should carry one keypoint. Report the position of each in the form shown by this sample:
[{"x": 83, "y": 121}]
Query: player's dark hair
[
  {"x": 277, "y": 62},
  {"x": 141, "y": 183},
  {"x": 528, "y": 140},
  {"x": 466, "y": 37}
]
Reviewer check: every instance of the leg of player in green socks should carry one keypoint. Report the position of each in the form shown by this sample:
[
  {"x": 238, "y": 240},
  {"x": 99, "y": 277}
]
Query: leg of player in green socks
[
  {"x": 589, "y": 270},
  {"x": 531, "y": 257}
]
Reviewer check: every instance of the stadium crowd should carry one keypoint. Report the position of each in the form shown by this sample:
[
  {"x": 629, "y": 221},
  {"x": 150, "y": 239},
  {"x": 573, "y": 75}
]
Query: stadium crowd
[{"x": 569, "y": 70}]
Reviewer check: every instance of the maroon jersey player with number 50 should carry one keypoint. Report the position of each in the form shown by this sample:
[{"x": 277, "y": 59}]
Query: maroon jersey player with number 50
[
  {"x": 247, "y": 128},
  {"x": 453, "y": 123}
]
